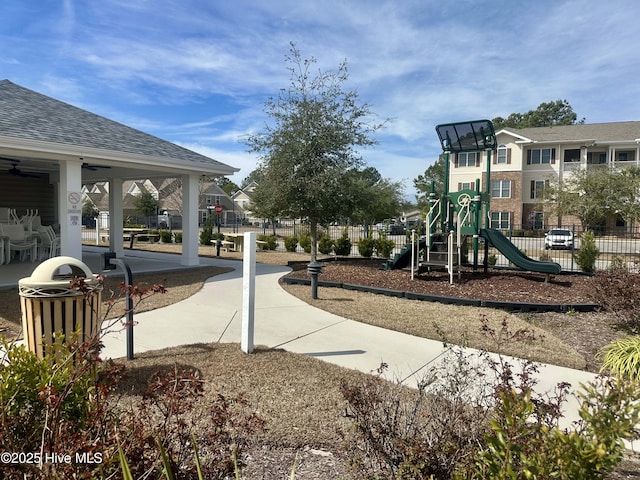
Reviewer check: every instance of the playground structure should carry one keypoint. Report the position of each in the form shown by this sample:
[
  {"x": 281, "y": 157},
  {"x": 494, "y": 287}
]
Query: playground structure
[{"x": 455, "y": 217}]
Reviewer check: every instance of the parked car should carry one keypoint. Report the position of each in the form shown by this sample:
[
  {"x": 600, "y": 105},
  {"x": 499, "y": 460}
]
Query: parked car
[
  {"x": 396, "y": 229},
  {"x": 558, "y": 238}
]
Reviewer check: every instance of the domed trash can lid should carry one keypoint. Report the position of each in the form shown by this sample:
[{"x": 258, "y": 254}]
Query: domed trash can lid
[{"x": 53, "y": 277}]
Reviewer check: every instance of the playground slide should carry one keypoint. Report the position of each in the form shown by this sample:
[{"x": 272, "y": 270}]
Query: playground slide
[
  {"x": 404, "y": 257},
  {"x": 515, "y": 256}
]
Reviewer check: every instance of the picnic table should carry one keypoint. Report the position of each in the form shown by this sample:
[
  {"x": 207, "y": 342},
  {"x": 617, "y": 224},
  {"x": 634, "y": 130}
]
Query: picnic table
[{"x": 237, "y": 240}]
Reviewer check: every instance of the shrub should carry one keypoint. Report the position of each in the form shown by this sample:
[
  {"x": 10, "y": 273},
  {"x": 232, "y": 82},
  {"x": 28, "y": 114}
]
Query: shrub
[
  {"x": 618, "y": 263},
  {"x": 206, "y": 235},
  {"x": 478, "y": 416},
  {"x": 622, "y": 358},
  {"x": 384, "y": 246},
  {"x": 545, "y": 257},
  {"x": 271, "y": 241},
  {"x": 177, "y": 237},
  {"x": 325, "y": 245},
  {"x": 305, "y": 243},
  {"x": 166, "y": 236},
  {"x": 291, "y": 244},
  {"x": 342, "y": 246},
  {"x": 587, "y": 253},
  {"x": 618, "y": 292},
  {"x": 492, "y": 259},
  {"x": 56, "y": 404},
  {"x": 366, "y": 246},
  {"x": 525, "y": 441}
]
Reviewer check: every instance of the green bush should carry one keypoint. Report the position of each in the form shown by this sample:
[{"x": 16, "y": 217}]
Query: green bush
[
  {"x": 342, "y": 246},
  {"x": 166, "y": 236},
  {"x": 325, "y": 245},
  {"x": 206, "y": 235},
  {"x": 587, "y": 253},
  {"x": 305, "y": 243},
  {"x": 366, "y": 247},
  {"x": 525, "y": 443},
  {"x": 384, "y": 246},
  {"x": 291, "y": 244},
  {"x": 492, "y": 259},
  {"x": 177, "y": 237},
  {"x": 618, "y": 263},
  {"x": 271, "y": 241}
]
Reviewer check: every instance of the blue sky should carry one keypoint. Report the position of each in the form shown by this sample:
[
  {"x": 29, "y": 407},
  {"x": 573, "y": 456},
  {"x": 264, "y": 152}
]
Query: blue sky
[{"x": 198, "y": 72}]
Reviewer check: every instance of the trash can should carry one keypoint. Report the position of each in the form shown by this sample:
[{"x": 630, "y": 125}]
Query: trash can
[{"x": 49, "y": 305}]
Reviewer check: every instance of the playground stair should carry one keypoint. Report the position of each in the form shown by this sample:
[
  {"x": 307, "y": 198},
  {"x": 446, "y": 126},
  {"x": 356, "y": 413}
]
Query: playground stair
[
  {"x": 438, "y": 254},
  {"x": 438, "y": 258}
]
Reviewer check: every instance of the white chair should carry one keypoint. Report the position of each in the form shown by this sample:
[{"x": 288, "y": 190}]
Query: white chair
[
  {"x": 49, "y": 243},
  {"x": 19, "y": 242}
]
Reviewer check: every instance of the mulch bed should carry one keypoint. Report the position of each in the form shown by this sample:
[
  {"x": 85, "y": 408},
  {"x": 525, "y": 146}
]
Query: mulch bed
[{"x": 495, "y": 285}]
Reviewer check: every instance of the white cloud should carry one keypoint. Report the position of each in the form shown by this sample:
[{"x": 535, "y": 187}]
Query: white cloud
[{"x": 199, "y": 72}]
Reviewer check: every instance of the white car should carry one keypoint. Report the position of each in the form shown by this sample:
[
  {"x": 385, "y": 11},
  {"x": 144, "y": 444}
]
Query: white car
[{"x": 558, "y": 238}]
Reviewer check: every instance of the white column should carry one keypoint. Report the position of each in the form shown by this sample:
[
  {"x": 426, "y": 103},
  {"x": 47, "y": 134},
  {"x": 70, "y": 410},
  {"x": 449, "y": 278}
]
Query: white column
[
  {"x": 116, "y": 219},
  {"x": 248, "y": 291},
  {"x": 70, "y": 211},
  {"x": 190, "y": 232}
]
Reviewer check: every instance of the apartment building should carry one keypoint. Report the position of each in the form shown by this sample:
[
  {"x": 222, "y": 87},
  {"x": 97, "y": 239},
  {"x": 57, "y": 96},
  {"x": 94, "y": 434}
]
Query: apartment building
[{"x": 525, "y": 159}]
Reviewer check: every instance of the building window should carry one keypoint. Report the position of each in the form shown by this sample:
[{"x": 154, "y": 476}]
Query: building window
[
  {"x": 625, "y": 156},
  {"x": 596, "y": 158},
  {"x": 572, "y": 155},
  {"x": 537, "y": 188},
  {"x": 466, "y": 186},
  {"x": 467, "y": 159},
  {"x": 540, "y": 156},
  {"x": 500, "y": 220},
  {"x": 502, "y": 156},
  {"x": 501, "y": 189}
]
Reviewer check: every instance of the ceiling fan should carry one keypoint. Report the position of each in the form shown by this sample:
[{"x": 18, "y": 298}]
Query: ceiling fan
[
  {"x": 17, "y": 172},
  {"x": 92, "y": 167}
]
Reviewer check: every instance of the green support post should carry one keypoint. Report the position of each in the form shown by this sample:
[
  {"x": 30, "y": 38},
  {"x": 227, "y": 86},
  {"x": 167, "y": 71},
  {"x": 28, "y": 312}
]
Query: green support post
[
  {"x": 444, "y": 201},
  {"x": 477, "y": 214}
]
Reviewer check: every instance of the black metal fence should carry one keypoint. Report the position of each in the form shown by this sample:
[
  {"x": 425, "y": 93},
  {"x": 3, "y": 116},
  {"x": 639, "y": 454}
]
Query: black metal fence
[{"x": 620, "y": 245}]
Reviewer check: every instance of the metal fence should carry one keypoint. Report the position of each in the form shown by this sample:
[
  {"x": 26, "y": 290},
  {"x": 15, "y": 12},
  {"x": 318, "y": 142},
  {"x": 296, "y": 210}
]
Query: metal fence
[{"x": 621, "y": 246}]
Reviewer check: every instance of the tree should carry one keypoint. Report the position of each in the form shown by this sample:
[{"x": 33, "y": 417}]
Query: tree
[
  {"x": 373, "y": 197},
  {"x": 255, "y": 176},
  {"x": 227, "y": 185},
  {"x": 310, "y": 145},
  {"x": 147, "y": 205},
  {"x": 559, "y": 112},
  {"x": 433, "y": 174},
  {"x": 89, "y": 212},
  {"x": 593, "y": 195}
]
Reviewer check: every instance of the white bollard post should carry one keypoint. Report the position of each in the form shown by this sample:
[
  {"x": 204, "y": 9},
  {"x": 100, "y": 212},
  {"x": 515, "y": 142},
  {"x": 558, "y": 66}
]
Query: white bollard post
[{"x": 248, "y": 291}]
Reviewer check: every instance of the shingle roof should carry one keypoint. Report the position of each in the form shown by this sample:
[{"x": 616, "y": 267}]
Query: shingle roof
[
  {"x": 600, "y": 132},
  {"x": 29, "y": 115}
]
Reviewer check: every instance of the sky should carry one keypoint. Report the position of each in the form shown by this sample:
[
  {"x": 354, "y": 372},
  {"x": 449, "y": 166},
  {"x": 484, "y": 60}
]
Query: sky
[{"x": 199, "y": 72}]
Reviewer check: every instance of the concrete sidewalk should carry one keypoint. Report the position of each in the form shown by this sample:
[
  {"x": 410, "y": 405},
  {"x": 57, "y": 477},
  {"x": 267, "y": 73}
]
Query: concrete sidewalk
[{"x": 283, "y": 321}]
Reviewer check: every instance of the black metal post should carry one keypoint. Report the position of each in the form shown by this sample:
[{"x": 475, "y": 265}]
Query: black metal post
[
  {"x": 314, "y": 269},
  {"x": 110, "y": 262},
  {"x": 218, "y": 245}
]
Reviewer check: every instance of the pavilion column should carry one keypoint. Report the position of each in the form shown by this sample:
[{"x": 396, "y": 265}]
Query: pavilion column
[
  {"x": 70, "y": 208},
  {"x": 190, "y": 233},
  {"x": 116, "y": 243}
]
